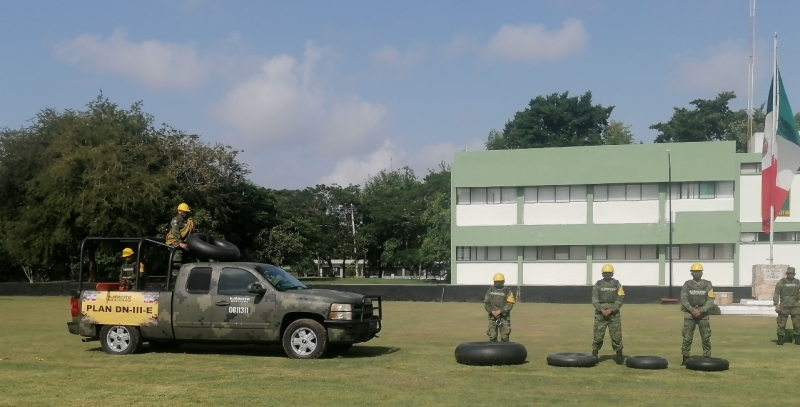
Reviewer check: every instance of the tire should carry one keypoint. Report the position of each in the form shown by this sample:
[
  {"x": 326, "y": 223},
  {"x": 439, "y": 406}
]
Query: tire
[
  {"x": 164, "y": 345},
  {"x": 646, "y": 362},
  {"x": 305, "y": 339},
  {"x": 120, "y": 339},
  {"x": 339, "y": 347},
  {"x": 491, "y": 353},
  {"x": 567, "y": 359},
  {"x": 210, "y": 247},
  {"x": 705, "y": 364}
]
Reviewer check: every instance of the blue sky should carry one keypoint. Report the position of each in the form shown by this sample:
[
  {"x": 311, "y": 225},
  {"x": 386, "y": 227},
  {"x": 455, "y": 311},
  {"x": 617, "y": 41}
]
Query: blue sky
[{"x": 332, "y": 92}]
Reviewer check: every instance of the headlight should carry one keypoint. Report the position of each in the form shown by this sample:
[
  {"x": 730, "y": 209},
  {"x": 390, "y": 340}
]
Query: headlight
[
  {"x": 342, "y": 311},
  {"x": 368, "y": 301}
]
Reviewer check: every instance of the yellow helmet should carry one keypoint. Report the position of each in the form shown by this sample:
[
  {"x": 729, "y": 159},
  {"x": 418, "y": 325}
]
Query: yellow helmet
[
  {"x": 499, "y": 277},
  {"x": 607, "y": 268},
  {"x": 697, "y": 267},
  {"x": 184, "y": 207},
  {"x": 127, "y": 252}
]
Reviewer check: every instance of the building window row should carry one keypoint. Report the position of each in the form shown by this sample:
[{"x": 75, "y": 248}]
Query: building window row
[
  {"x": 719, "y": 251},
  {"x": 483, "y": 196},
  {"x": 560, "y": 193},
  {"x": 751, "y": 237},
  {"x": 626, "y": 192},
  {"x": 602, "y": 193}
]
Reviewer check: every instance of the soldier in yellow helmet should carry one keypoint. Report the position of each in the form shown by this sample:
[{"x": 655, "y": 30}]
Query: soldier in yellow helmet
[
  {"x": 607, "y": 297},
  {"x": 697, "y": 298},
  {"x": 498, "y": 303},
  {"x": 127, "y": 273},
  {"x": 181, "y": 226}
]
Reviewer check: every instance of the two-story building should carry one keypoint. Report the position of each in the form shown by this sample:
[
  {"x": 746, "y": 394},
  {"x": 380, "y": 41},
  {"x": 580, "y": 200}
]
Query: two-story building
[{"x": 554, "y": 216}]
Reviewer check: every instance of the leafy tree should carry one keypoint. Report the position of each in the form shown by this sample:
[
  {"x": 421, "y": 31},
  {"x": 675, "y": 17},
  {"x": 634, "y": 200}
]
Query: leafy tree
[
  {"x": 557, "y": 120},
  {"x": 435, "y": 250},
  {"x": 617, "y": 133},
  {"x": 710, "y": 120}
]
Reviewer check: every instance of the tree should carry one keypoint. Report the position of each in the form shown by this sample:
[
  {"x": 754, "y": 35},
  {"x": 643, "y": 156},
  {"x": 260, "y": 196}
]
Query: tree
[
  {"x": 617, "y": 133},
  {"x": 435, "y": 250},
  {"x": 710, "y": 120},
  {"x": 556, "y": 120}
]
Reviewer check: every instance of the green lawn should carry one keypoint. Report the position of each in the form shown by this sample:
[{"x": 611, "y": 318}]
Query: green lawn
[
  {"x": 383, "y": 281},
  {"x": 411, "y": 364}
]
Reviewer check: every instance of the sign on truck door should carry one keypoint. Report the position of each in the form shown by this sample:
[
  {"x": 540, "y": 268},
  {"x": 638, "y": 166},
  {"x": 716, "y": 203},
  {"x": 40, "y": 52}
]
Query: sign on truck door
[{"x": 238, "y": 314}]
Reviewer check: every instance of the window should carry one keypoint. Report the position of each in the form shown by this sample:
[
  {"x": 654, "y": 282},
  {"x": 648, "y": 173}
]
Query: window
[
  {"x": 708, "y": 190},
  {"x": 625, "y": 252},
  {"x": 199, "y": 281},
  {"x": 626, "y": 192},
  {"x": 600, "y": 193},
  {"x": 649, "y": 192},
  {"x": 508, "y": 253},
  {"x": 529, "y": 253},
  {"x": 690, "y": 190},
  {"x": 562, "y": 193},
  {"x": 462, "y": 196},
  {"x": 235, "y": 281},
  {"x": 494, "y": 195},
  {"x": 725, "y": 189},
  {"x": 706, "y": 252},
  {"x": 493, "y": 253},
  {"x": 562, "y": 252},
  {"x": 719, "y": 251},
  {"x": 463, "y": 253},
  {"x": 689, "y": 252},
  {"x": 547, "y": 194},
  {"x": 600, "y": 253},
  {"x": 509, "y": 195},
  {"x": 479, "y": 253},
  {"x": 577, "y": 193},
  {"x": 546, "y": 253},
  {"x": 477, "y": 196},
  {"x": 751, "y": 168},
  {"x": 616, "y": 192},
  {"x": 577, "y": 252},
  {"x": 633, "y": 192},
  {"x": 531, "y": 195},
  {"x": 674, "y": 253}
]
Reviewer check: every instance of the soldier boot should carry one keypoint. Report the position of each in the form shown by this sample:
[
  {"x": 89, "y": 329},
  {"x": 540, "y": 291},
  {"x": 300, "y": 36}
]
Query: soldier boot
[
  {"x": 619, "y": 358},
  {"x": 594, "y": 353},
  {"x": 685, "y": 358},
  {"x": 780, "y": 340}
]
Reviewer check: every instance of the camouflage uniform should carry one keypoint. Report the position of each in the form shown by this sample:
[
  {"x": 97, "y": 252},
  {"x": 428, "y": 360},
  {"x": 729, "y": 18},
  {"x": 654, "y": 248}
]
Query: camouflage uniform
[
  {"x": 179, "y": 228},
  {"x": 607, "y": 295},
  {"x": 128, "y": 269},
  {"x": 787, "y": 296},
  {"x": 696, "y": 295},
  {"x": 501, "y": 299}
]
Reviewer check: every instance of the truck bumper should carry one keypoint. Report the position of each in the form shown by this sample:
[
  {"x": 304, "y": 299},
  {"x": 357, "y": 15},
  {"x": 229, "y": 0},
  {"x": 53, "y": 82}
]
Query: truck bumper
[
  {"x": 72, "y": 327},
  {"x": 354, "y": 332},
  {"x": 82, "y": 328}
]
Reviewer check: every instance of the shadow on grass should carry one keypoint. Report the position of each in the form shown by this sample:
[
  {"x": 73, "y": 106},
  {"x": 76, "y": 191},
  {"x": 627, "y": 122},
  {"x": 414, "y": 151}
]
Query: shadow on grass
[{"x": 275, "y": 350}]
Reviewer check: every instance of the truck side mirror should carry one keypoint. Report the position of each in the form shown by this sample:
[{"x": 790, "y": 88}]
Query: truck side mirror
[{"x": 256, "y": 288}]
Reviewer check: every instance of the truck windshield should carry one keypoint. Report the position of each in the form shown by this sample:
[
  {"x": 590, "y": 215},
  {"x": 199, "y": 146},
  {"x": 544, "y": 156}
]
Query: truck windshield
[{"x": 279, "y": 278}]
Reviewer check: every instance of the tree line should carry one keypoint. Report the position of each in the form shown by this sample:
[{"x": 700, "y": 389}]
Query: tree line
[{"x": 109, "y": 171}]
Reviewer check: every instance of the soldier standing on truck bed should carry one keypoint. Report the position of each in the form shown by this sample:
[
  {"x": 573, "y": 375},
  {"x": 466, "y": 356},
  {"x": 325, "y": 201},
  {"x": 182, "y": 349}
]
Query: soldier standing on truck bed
[
  {"x": 181, "y": 226},
  {"x": 127, "y": 273}
]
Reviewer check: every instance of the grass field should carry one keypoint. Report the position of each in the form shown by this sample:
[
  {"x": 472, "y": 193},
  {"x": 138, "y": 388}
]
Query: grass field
[{"x": 411, "y": 364}]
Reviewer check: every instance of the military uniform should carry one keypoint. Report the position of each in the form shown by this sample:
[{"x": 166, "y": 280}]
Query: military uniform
[
  {"x": 607, "y": 295},
  {"x": 179, "y": 228},
  {"x": 787, "y": 296},
  {"x": 696, "y": 295},
  {"x": 128, "y": 269},
  {"x": 499, "y": 299}
]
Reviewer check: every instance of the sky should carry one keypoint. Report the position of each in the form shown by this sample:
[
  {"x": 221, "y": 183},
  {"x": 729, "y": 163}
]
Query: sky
[{"x": 333, "y": 92}]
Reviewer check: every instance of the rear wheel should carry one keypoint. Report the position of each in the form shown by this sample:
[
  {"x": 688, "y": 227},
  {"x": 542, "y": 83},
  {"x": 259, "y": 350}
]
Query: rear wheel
[
  {"x": 305, "y": 339},
  {"x": 120, "y": 339}
]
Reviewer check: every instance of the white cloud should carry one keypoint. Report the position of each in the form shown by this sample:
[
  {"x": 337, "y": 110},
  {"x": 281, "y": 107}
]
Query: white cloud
[
  {"x": 355, "y": 170},
  {"x": 534, "y": 43},
  {"x": 389, "y": 56},
  {"x": 155, "y": 64},
  {"x": 720, "y": 68},
  {"x": 286, "y": 103}
]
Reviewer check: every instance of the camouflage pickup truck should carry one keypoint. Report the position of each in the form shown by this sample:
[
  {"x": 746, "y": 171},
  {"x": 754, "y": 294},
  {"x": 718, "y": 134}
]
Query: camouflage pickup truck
[{"x": 230, "y": 302}]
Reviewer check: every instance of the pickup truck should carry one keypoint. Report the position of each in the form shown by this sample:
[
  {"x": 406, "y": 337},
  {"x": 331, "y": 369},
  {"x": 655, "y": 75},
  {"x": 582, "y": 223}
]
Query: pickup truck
[{"x": 226, "y": 302}]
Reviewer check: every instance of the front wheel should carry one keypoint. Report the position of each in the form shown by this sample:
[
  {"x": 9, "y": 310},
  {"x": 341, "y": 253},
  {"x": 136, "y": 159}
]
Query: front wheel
[
  {"x": 119, "y": 339},
  {"x": 305, "y": 339}
]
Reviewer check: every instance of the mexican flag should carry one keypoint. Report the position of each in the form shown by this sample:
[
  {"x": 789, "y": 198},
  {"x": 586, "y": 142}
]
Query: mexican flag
[{"x": 781, "y": 154}]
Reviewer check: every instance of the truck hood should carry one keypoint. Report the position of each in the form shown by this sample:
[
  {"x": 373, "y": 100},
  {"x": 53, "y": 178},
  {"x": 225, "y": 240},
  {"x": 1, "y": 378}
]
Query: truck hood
[{"x": 333, "y": 296}]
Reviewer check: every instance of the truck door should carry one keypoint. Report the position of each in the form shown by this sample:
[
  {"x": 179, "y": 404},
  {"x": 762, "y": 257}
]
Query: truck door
[
  {"x": 192, "y": 304},
  {"x": 239, "y": 315}
]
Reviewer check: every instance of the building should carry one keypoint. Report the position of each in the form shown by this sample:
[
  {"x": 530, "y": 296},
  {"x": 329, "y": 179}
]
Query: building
[{"x": 554, "y": 216}]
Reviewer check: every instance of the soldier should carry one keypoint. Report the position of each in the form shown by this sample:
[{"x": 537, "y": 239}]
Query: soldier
[
  {"x": 179, "y": 228},
  {"x": 127, "y": 273},
  {"x": 787, "y": 303},
  {"x": 607, "y": 297},
  {"x": 697, "y": 298},
  {"x": 498, "y": 303}
]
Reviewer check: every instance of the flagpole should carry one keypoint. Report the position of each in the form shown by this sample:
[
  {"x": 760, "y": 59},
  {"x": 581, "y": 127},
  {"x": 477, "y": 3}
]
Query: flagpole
[
  {"x": 775, "y": 113},
  {"x": 751, "y": 85}
]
